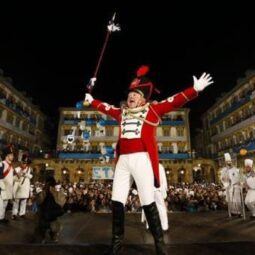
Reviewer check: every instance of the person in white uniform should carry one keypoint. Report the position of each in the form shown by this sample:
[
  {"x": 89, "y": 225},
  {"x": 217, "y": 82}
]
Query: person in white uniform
[
  {"x": 249, "y": 184},
  {"x": 6, "y": 181},
  {"x": 160, "y": 194},
  {"x": 230, "y": 178},
  {"x": 21, "y": 189}
]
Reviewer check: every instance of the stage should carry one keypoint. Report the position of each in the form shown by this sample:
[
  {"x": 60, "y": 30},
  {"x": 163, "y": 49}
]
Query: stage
[{"x": 90, "y": 233}]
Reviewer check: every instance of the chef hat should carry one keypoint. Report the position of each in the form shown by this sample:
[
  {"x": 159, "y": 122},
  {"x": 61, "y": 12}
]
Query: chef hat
[
  {"x": 248, "y": 162},
  {"x": 227, "y": 157}
]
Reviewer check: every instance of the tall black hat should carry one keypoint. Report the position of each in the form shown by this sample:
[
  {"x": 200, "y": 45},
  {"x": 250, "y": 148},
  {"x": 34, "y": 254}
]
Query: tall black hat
[
  {"x": 25, "y": 159},
  {"x": 142, "y": 84},
  {"x": 9, "y": 149}
]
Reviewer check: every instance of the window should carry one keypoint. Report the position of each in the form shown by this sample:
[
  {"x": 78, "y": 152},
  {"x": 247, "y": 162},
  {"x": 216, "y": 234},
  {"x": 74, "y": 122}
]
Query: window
[
  {"x": 180, "y": 131},
  {"x": 9, "y": 118},
  {"x": 166, "y": 132},
  {"x": 109, "y": 131}
]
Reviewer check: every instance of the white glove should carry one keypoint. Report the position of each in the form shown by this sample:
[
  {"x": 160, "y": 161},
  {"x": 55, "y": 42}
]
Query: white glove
[
  {"x": 93, "y": 81},
  {"x": 113, "y": 27},
  {"x": 88, "y": 98},
  {"x": 201, "y": 83}
]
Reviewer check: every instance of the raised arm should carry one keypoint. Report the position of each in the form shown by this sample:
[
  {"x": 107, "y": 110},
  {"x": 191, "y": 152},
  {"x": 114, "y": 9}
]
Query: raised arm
[
  {"x": 103, "y": 107},
  {"x": 179, "y": 99}
]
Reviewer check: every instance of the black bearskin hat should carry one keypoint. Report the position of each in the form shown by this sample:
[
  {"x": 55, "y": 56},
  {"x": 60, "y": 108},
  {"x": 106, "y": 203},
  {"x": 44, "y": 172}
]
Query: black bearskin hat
[
  {"x": 142, "y": 84},
  {"x": 9, "y": 149},
  {"x": 25, "y": 159}
]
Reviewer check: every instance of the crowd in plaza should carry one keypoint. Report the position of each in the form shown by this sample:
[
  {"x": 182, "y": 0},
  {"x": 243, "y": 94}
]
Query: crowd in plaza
[{"x": 96, "y": 197}]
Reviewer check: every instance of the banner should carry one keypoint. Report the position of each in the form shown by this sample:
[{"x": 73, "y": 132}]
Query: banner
[{"x": 102, "y": 172}]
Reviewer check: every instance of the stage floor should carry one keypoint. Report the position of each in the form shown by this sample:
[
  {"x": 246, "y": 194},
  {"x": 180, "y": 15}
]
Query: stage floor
[{"x": 89, "y": 233}]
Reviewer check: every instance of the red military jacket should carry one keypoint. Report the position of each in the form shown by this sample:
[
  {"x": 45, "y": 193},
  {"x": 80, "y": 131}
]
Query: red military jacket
[{"x": 147, "y": 119}]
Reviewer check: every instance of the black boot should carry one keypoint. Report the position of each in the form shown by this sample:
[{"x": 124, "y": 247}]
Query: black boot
[
  {"x": 152, "y": 216},
  {"x": 117, "y": 228}
]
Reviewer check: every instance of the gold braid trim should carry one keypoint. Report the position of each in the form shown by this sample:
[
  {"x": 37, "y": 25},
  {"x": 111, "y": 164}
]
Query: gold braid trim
[
  {"x": 99, "y": 105},
  {"x": 159, "y": 119},
  {"x": 144, "y": 120},
  {"x": 187, "y": 99},
  {"x": 141, "y": 108}
]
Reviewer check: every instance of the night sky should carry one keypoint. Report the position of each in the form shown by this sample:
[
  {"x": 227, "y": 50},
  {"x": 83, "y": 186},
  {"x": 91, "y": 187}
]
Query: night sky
[{"x": 50, "y": 51}]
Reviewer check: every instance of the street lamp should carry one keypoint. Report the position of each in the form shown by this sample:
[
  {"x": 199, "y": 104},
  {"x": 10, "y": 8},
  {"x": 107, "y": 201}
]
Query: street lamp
[
  {"x": 181, "y": 172},
  {"x": 79, "y": 174},
  {"x": 64, "y": 170},
  {"x": 79, "y": 170}
]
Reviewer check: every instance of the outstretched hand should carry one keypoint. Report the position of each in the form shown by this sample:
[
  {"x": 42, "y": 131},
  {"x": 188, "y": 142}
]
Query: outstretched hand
[
  {"x": 201, "y": 83},
  {"x": 88, "y": 99}
]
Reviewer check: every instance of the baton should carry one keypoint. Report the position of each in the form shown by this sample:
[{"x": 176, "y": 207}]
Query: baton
[{"x": 111, "y": 27}]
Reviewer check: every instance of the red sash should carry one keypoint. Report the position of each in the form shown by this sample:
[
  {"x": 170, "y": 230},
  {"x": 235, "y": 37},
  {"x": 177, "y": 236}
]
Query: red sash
[{"x": 6, "y": 172}]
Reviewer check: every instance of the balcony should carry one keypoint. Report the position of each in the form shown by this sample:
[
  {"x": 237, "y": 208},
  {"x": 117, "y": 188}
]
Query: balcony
[
  {"x": 171, "y": 139},
  {"x": 249, "y": 146},
  {"x": 173, "y": 156},
  {"x": 172, "y": 123},
  {"x": 238, "y": 126},
  {"x": 83, "y": 155},
  {"x": 17, "y": 109},
  {"x": 17, "y": 130},
  {"x": 90, "y": 122},
  {"x": 233, "y": 107},
  {"x": 94, "y": 138}
]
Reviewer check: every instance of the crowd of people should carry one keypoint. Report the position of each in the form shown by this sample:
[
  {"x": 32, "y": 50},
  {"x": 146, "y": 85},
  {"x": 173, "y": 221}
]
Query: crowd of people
[
  {"x": 50, "y": 199},
  {"x": 96, "y": 197}
]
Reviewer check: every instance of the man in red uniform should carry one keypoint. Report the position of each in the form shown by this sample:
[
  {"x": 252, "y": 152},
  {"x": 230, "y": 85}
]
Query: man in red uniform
[{"x": 137, "y": 150}]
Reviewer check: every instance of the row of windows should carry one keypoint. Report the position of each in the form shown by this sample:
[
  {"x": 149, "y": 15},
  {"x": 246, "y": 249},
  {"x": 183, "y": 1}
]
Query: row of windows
[
  {"x": 16, "y": 121},
  {"x": 239, "y": 96},
  {"x": 235, "y": 140},
  {"x": 179, "y": 131},
  {"x": 93, "y": 116},
  {"x": 17, "y": 107},
  {"x": 234, "y": 119}
]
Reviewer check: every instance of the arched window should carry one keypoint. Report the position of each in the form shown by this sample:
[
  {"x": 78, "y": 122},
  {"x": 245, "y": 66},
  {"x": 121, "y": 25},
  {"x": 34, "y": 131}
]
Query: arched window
[
  {"x": 181, "y": 175},
  {"x": 65, "y": 174}
]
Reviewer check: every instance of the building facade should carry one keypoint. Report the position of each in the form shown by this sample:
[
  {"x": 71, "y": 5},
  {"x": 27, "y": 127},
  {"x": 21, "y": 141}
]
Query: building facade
[
  {"x": 21, "y": 122},
  {"x": 229, "y": 125},
  {"x": 87, "y": 139}
]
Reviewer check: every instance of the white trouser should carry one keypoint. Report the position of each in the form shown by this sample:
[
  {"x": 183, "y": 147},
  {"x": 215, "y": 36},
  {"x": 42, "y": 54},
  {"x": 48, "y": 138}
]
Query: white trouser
[
  {"x": 160, "y": 202},
  {"x": 135, "y": 166},
  {"x": 3, "y": 205},
  {"x": 19, "y": 205},
  {"x": 250, "y": 201}
]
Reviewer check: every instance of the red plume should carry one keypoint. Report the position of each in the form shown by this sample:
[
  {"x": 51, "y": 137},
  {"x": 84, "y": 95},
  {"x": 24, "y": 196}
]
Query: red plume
[{"x": 142, "y": 71}]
